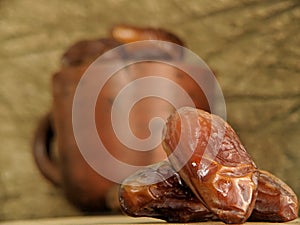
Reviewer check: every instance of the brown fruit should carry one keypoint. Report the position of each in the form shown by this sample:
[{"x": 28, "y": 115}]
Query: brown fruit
[
  {"x": 276, "y": 201},
  {"x": 158, "y": 191},
  {"x": 213, "y": 163}
]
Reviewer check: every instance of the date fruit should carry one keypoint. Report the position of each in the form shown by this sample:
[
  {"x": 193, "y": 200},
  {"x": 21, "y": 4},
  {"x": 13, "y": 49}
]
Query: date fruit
[
  {"x": 276, "y": 201},
  {"x": 213, "y": 163},
  {"x": 158, "y": 191}
]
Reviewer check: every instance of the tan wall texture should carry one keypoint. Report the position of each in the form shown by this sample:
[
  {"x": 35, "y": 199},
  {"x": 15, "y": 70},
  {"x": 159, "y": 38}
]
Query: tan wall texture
[{"x": 253, "y": 45}]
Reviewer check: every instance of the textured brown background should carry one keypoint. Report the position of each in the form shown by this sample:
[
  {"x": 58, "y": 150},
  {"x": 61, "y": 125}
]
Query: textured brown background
[{"x": 253, "y": 45}]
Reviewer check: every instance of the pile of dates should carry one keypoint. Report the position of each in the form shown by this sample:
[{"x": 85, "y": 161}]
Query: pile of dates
[{"x": 208, "y": 176}]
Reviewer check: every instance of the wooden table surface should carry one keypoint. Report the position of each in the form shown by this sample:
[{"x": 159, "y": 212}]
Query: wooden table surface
[{"x": 94, "y": 220}]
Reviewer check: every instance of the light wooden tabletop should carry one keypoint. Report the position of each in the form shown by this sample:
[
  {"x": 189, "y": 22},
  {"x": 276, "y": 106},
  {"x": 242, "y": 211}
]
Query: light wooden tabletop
[{"x": 94, "y": 220}]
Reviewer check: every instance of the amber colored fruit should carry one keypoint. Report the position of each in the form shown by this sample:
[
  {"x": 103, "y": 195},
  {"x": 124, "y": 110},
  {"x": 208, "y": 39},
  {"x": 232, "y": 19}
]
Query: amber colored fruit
[
  {"x": 158, "y": 191},
  {"x": 276, "y": 201},
  {"x": 213, "y": 163}
]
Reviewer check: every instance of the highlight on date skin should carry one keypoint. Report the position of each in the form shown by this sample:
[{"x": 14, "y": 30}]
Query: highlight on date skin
[
  {"x": 216, "y": 178},
  {"x": 171, "y": 199},
  {"x": 219, "y": 171}
]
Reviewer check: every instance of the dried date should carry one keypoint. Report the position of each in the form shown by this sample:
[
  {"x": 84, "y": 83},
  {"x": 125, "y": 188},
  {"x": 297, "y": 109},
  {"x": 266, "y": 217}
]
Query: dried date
[
  {"x": 158, "y": 191},
  {"x": 213, "y": 163},
  {"x": 276, "y": 201}
]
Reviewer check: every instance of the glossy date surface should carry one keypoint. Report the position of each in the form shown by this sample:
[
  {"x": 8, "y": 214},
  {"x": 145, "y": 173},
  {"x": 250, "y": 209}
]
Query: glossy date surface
[
  {"x": 158, "y": 191},
  {"x": 172, "y": 200},
  {"x": 276, "y": 201},
  {"x": 213, "y": 163}
]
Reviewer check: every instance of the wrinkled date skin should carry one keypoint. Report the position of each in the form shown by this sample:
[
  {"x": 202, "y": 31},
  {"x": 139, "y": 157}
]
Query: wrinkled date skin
[
  {"x": 158, "y": 191},
  {"x": 276, "y": 201},
  {"x": 213, "y": 163},
  {"x": 170, "y": 199}
]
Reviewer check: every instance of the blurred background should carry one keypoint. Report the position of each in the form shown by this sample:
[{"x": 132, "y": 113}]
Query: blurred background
[{"x": 253, "y": 46}]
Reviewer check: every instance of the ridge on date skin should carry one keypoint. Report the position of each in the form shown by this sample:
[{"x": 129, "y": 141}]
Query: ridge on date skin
[
  {"x": 276, "y": 201},
  {"x": 213, "y": 163},
  {"x": 158, "y": 191}
]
